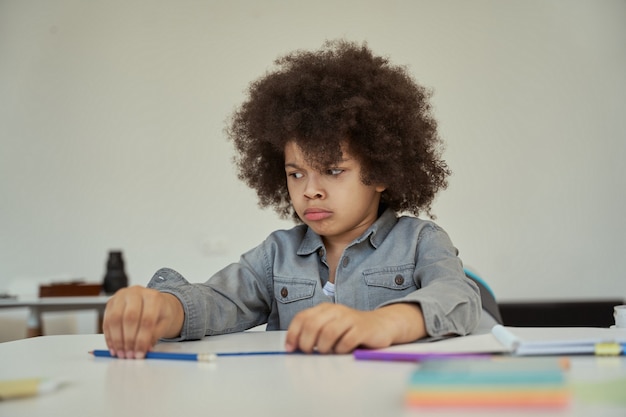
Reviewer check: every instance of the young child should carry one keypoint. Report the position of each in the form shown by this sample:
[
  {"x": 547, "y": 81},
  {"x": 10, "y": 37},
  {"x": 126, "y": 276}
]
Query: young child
[{"x": 342, "y": 141}]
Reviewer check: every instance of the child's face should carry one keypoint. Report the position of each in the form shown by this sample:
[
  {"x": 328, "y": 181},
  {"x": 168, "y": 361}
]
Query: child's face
[{"x": 334, "y": 203}]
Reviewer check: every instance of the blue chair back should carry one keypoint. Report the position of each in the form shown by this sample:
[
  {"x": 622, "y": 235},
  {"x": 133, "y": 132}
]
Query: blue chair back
[{"x": 487, "y": 296}]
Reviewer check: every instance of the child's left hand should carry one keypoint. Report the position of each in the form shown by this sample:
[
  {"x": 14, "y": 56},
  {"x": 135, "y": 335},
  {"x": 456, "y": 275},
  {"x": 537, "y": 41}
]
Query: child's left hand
[{"x": 335, "y": 328}]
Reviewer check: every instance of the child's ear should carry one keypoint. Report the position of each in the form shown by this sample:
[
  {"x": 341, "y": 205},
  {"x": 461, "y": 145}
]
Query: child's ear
[{"x": 380, "y": 188}]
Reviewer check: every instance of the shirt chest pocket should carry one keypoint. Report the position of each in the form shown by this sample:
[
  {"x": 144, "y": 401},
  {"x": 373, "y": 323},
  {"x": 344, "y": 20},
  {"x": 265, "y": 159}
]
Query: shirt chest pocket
[
  {"x": 292, "y": 295},
  {"x": 389, "y": 283}
]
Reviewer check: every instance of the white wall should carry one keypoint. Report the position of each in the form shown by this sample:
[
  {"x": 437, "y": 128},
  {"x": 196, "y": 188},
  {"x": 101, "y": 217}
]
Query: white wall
[{"x": 112, "y": 116}]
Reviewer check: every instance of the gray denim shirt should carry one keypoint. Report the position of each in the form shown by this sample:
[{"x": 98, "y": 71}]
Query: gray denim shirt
[{"x": 397, "y": 260}]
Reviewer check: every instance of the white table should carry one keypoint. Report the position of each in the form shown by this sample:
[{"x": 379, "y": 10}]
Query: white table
[{"x": 276, "y": 386}]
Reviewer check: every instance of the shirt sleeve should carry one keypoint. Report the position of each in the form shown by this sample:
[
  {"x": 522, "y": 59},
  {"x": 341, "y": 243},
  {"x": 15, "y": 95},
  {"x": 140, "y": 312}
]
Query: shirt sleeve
[
  {"x": 235, "y": 299},
  {"x": 450, "y": 302}
]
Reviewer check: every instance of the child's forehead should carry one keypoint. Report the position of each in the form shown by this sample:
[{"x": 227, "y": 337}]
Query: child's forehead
[{"x": 318, "y": 157}]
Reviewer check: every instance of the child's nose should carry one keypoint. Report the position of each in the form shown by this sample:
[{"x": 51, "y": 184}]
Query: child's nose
[{"x": 313, "y": 189}]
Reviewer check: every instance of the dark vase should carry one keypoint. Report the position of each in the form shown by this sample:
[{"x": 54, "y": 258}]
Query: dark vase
[{"x": 115, "y": 277}]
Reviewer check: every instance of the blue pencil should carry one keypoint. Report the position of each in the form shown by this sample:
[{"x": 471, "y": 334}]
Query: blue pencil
[{"x": 197, "y": 357}]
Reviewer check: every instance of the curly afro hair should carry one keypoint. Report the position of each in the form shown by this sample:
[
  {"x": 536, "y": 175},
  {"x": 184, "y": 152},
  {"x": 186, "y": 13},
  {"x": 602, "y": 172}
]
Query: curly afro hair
[{"x": 340, "y": 95}]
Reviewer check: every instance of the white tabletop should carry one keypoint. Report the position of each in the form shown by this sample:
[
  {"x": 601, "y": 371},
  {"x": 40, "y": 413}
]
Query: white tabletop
[{"x": 276, "y": 386}]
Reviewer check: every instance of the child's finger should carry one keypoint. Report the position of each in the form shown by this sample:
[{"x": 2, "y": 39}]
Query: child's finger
[
  {"x": 305, "y": 328},
  {"x": 148, "y": 328},
  {"x": 130, "y": 325},
  {"x": 113, "y": 324},
  {"x": 332, "y": 333}
]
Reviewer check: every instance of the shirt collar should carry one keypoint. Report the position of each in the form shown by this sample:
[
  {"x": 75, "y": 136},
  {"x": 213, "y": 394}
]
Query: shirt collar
[{"x": 377, "y": 232}]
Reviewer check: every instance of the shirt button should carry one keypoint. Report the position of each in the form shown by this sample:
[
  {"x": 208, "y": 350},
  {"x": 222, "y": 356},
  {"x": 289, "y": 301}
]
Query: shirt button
[
  {"x": 399, "y": 279},
  {"x": 345, "y": 261},
  {"x": 320, "y": 253},
  {"x": 437, "y": 324},
  {"x": 284, "y": 292}
]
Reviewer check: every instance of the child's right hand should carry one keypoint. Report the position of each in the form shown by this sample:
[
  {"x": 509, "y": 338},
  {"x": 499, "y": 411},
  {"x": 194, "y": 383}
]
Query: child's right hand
[{"x": 137, "y": 317}]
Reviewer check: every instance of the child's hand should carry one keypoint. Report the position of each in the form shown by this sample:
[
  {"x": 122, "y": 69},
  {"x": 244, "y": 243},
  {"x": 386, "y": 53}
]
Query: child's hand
[
  {"x": 136, "y": 318},
  {"x": 335, "y": 328}
]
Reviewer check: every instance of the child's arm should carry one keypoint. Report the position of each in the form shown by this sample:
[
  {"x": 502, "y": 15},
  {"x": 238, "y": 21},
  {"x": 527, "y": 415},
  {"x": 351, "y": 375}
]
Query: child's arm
[
  {"x": 335, "y": 328},
  {"x": 136, "y": 318}
]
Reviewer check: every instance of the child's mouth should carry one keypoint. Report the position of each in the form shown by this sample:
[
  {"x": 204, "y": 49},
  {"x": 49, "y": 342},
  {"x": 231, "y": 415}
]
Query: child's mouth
[{"x": 316, "y": 214}]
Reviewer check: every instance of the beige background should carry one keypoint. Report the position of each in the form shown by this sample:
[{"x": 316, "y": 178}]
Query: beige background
[{"x": 112, "y": 116}]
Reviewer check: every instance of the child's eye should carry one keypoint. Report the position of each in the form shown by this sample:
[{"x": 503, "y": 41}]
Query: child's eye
[
  {"x": 334, "y": 171},
  {"x": 296, "y": 175}
]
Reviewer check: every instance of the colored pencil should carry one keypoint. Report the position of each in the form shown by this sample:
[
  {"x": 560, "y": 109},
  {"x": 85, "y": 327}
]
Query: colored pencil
[{"x": 197, "y": 357}]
